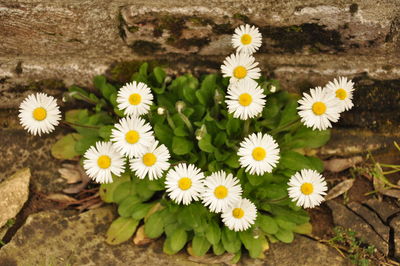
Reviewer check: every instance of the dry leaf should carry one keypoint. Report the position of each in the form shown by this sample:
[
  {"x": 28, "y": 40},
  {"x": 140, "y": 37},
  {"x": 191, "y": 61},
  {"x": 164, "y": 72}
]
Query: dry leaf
[
  {"x": 156, "y": 207},
  {"x": 339, "y": 189},
  {"x": 212, "y": 259},
  {"x": 81, "y": 186},
  {"x": 338, "y": 165},
  {"x": 394, "y": 193},
  {"x": 61, "y": 198},
  {"x": 140, "y": 238},
  {"x": 70, "y": 173}
]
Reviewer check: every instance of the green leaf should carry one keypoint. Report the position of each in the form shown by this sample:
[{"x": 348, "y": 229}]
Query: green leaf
[
  {"x": 181, "y": 146},
  {"x": 267, "y": 224},
  {"x": 285, "y": 236},
  {"x": 159, "y": 74},
  {"x": 233, "y": 161},
  {"x": 230, "y": 240},
  {"x": 308, "y": 138},
  {"x": 200, "y": 245},
  {"x": 123, "y": 190},
  {"x": 218, "y": 249},
  {"x": 284, "y": 224},
  {"x": 181, "y": 131},
  {"x": 141, "y": 210},
  {"x": 128, "y": 205},
  {"x": 163, "y": 134},
  {"x": 220, "y": 139},
  {"x": 255, "y": 180},
  {"x": 233, "y": 126},
  {"x": 154, "y": 226},
  {"x": 252, "y": 244},
  {"x": 121, "y": 230},
  {"x": 107, "y": 190},
  {"x": 296, "y": 161},
  {"x": 305, "y": 229},
  {"x": 205, "y": 144},
  {"x": 178, "y": 239},
  {"x": 105, "y": 132},
  {"x": 213, "y": 232},
  {"x": 289, "y": 113},
  {"x": 64, "y": 149},
  {"x": 83, "y": 144}
]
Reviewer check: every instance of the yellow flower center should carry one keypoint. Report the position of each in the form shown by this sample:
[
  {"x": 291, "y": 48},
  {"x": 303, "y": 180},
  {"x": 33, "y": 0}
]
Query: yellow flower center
[
  {"x": 221, "y": 192},
  {"x": 149, "y": 159},
  {"x": 246, "y": 39},
  {"x": 319, "y": 108},
  {"x": 104, "y": 161},
  {"x": 238, "y": 213},
  {"x": 39, "y": 113},
  {"x": 259, "y": 153},
  {"x": 245, "y": 99},
  {"x": 307, "y": 188},
  {"x": 135, "y": 98},
  {"x": 184, "y": 183},
  {"x": 341, "y": 94},
  {"x": 239, "y": 72},
  {"x": 132, "y": 136}
]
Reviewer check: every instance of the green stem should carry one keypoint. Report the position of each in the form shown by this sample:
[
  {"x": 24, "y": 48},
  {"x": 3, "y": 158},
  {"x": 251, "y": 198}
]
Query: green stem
[
  {"x": 246, "y": 127},
  {"x": 169, "y": 120},
  {"x": 187, "y": 122},
  {"x": 284, "y": 127}
]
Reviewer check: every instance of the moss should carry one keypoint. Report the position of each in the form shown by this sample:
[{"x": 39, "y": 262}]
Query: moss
[
  {"x": 294, "y": 38},
  {"x": 45, "y": 84},
  {"x": 353, "y": 8},
  {"x": 223, "y": 28},
  {"x": 241, "y": 17},
  {"x": 18, "y": 68},
  {"x": 121, "y": 27},
  {"x": 174, "y": 25},
  {"x": 122, "y": 72},
  {"x": 145, "y": 47},
  {"x": 186, "y": 43}
]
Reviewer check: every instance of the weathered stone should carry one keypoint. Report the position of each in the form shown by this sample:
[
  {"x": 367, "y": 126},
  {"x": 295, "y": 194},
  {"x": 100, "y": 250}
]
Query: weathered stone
[
  {"x": 14, "y": 193},
  {"x": 382, "y": 208},
  {"x": 344, "y": 217},
  {"x": 372, "y": 219},
  {"x": 395, "y": 224},
  {"x": 302, "y": 251},
  {"x": 61, "y": 238},
  {"x": 20, "y": 149}
]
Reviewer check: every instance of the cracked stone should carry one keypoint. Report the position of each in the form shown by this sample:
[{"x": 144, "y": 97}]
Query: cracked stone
[
  {"x": 395, "y": 224},
  {"x": 14, "y": 193},
  {"x": 382, "y": 208},
  {"x": 372, "y": 219},
  {"x": 344, "y": 217},
  {"x": 65, "y": 238}
]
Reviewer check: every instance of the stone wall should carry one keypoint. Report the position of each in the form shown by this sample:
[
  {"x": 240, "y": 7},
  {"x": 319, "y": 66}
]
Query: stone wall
[{"x": 51, "y": 44}]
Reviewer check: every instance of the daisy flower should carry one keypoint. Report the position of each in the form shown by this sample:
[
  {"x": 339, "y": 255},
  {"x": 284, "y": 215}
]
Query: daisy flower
[
  {"x": 221, "y": 190},
  {"x": 247, "y": 39},
  {"x": 102, "y": 160},
  {"x": 259, "y": 153},
  {"x": 152, "y": 163},
  {"x": 39, "y": 113},
  {"x": 307, "y": 188},
  {"x": 240, "y": 216},
  {"x": 318, "y": 109},
  {"x": 132, "y": 136},
  {"x": 342, "y": 88},
  {"x": 240, "y": 66},
  {"x": 135, "y": 98},
  {"x": 184, "y": 183},
  {"x": 245, "y": 99}
]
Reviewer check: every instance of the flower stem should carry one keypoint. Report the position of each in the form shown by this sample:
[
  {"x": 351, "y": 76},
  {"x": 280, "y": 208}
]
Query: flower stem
[{"x": 246, "y": 127}]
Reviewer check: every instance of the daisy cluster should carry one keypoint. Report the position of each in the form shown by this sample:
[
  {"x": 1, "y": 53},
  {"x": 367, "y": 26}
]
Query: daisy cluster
[{"x": 133, "y": 144}]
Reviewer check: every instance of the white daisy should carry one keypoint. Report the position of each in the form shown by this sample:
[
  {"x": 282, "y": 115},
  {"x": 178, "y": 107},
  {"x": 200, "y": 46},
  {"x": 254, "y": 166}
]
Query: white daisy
[
  {"x": 102, "y": 160},
  {"x": 306, "y": 188},
  {"x": 342, "y": 88},
  {"x": 247, "y": 39},
  {"x": 240, "y": 216},
  {"x": 184, "y": 183},
  {"x": 258, "y": 153},
  {"x": 132, "y": 136},
  {"x": 135, "y": 98},
  {"x": 240, "y": 66},
  {"x": 152, "y": 163},
  {"x": 245, "y": 99},
  {"x": 318, "y": 109},
  {"x": 39, "y": 113},
  {"x": 221, "y": 191}
]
